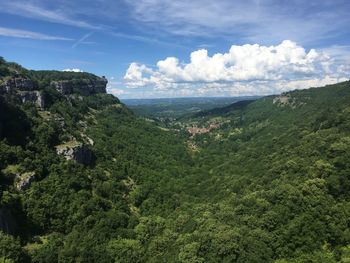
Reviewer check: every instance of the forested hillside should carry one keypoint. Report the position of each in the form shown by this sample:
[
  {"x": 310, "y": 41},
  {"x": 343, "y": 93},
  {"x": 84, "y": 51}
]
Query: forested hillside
[
  {"x": 170, "y": 108},
  {"x": 83, "y": 179}
]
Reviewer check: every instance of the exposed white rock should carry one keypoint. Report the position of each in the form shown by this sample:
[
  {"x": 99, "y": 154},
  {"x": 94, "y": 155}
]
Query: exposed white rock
[
  {"x": 15, "y": 84},
  {"x": 81, "y": 86},
  {"x": 33, "y": 97},
  {"x": 24, "y": 180},
  {"x": 75, "y": 151}
]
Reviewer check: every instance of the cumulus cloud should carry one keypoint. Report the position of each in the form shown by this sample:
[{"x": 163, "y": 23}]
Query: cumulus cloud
[
  {"x": 243, "y": 70},
  {"x": 116, "y": 91},
  {"x": 116, "y": 88},
  {"x": 135, "y": 76},
  {"x": 72, "y": 70}
]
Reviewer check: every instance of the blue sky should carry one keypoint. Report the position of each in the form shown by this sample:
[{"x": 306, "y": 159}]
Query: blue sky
[{"x": 169, "y": 48}]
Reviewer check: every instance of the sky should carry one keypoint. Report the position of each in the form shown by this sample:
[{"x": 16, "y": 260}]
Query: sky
[{"x": 181, "y": 48}]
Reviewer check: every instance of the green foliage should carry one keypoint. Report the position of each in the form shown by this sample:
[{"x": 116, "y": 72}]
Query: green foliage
[
  {"x": 4, "y": 71},
  {"x": 10, "y": 249},
  {"x": 46, "y": 249},
  {"x": 269, "y": 183},
  {"x": 190, "y": 253},
  {"x": 314, "y": 257},
  {"x": 126, "y": 250}
]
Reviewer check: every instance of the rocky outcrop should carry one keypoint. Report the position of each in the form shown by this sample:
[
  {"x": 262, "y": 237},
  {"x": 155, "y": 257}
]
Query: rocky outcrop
[
  {"x": 75, "y": 151},
  {"x": 81, "y": 86},
  {"x": 24, "y": 89},
  {"x": 24, "y": 180},
  {"x": 196, "y": 130},
  {"x": 281, "y": 100},
  {"x": 87, "y": 139},
  {"x": 15, "y": 173},
  {"x": 33, "y": 97},
  {"x": 286, "y": 100},
  {"x": 85, "y": 87},
  {"x": 15, "y": 84}
]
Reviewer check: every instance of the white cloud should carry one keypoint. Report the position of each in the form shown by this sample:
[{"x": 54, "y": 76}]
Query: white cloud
[
  {"x": 135, "y": 78},
  {"x": 37, "y": 10},
  {"x": 341, "y": 54},
  {"x": 115, "y": 87},
  {"x": 116, "y": 91},
  {"x": 243, "y": 70},
  {"x": 72, "y": 70},
  {"x": 252, "y": 20},
  {"x": 11, "y": 32},
  {"x": 308, "y": 83}
]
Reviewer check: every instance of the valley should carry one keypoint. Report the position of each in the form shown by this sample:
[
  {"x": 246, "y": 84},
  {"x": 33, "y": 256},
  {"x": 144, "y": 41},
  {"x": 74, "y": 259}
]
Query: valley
[{"x": 85, "y": 178}]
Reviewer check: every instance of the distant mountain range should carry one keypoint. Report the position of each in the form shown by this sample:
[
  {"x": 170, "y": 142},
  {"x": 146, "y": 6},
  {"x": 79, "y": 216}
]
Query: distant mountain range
[{"x": 175, "y": 107}]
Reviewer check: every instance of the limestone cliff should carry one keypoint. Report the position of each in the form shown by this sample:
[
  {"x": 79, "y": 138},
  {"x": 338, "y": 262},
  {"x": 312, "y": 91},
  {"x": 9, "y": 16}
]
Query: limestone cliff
[
  {"x": 26, "y": 90},
  {"x": 75, "y": 151},
  {"x": 81, "y": 86},
  {"x": 35, "y": 97},
  {"x": 15, "y": 84}
]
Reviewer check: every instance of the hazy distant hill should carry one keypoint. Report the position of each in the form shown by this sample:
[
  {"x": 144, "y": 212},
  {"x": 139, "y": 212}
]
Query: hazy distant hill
[
  {"x": 175, "y": 107},
  {"x": 239, "y": 105}
]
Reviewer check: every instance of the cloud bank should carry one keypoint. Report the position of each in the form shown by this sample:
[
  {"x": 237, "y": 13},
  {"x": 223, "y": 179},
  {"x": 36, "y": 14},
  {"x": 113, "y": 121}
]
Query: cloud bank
[
  {"x": 72, "y": 70},
  {"x": 243, "y": 70}
]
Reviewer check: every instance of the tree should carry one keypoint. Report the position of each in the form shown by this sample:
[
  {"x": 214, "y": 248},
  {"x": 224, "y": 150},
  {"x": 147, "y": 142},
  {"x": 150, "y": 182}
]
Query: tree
[
  {"x": 10, "y": 249},
  {"x": 126, "y": 250}
]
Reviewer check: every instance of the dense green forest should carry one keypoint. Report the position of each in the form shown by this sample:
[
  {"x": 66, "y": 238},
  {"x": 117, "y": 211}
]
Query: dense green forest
[{"x": 268, "y": 181}]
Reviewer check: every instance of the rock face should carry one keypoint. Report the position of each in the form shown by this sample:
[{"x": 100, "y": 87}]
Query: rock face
[
  {"x": 24, "y": 89},
  {"x": 15, "y": 84},
  {"x": 81, "y": 86},
  {"x": 286, "y": 100},
  {"x": 281, "y": 100},
  {"x": 8, "y": 222},
  {"x": 24, "y": 181},
  {"x": 75, "y": 151},
  {"x": 33, "y": 97}
]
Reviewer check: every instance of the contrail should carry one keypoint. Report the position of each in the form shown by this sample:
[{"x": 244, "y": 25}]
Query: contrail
[{"x": 82, "y": 39}]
